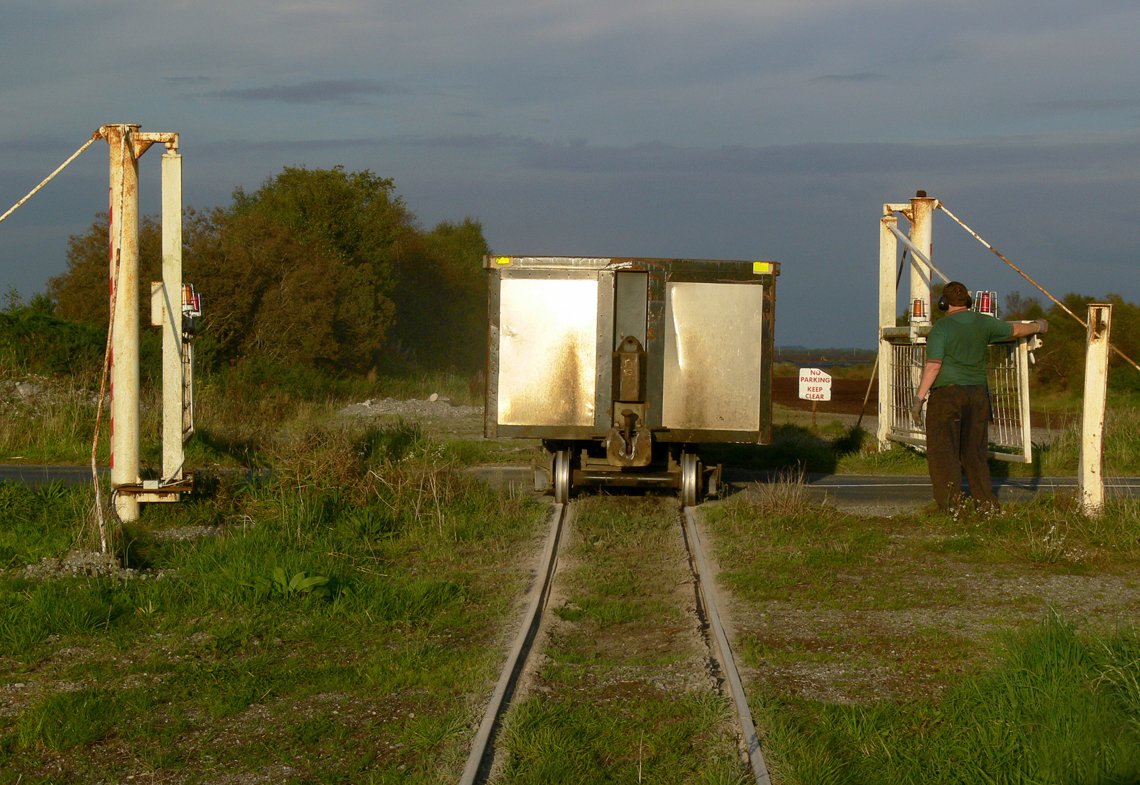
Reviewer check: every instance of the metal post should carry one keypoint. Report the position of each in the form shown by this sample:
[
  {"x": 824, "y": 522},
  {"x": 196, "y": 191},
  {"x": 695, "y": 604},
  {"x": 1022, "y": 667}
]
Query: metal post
[
  {"x": 921, "y": 217},
  {"x": 124, "y": 293},
  {"x": 888, "y": 308},
  {"x": 173, "y": 453},
  {"x": 1092, "y": 419}
]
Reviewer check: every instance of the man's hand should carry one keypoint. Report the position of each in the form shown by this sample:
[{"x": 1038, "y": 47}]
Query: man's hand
[
  {"x": 916, "y": 412},
  {"x": 1042, "y": 326}
]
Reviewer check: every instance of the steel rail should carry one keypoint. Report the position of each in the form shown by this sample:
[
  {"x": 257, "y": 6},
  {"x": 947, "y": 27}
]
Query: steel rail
[
  {"x": 708, "y": 597},
  {"x": 482, "y": 748}
]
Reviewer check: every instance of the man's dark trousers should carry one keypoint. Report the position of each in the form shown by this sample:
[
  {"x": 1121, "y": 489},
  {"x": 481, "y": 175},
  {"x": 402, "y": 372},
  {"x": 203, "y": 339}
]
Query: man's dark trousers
[{"x": 957, "y": 438}]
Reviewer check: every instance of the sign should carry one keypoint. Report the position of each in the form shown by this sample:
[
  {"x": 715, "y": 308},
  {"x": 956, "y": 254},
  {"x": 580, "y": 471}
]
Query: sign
[{"x": 815, "y": 385}]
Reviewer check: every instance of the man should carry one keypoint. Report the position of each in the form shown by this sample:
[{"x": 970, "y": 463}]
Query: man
[{"x": 958, "y": 411}]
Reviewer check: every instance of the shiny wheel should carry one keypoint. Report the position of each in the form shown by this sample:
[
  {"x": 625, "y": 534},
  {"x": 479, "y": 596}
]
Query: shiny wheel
[
  {"x": 690, "y": 479},
  {"x": 562, "y": 476}
]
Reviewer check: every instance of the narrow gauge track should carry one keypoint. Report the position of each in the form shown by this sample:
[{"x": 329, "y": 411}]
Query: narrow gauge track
[{"x": 481, "y": 757}]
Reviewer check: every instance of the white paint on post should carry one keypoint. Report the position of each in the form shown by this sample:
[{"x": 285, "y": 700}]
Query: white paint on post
[
  {"x": 173, "y": 453},
  {"x": 1092, "y": 419},
  {"x": 888, "y": 307},
  {"x": 921, "y": 232},
  {"x": 124, "y": 291}
]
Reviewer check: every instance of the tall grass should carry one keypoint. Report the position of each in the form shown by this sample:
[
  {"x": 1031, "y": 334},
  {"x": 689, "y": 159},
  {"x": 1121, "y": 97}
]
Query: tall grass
[
  {"x": 52, "y": 423},
  {"x": 1058, "y": 707}
]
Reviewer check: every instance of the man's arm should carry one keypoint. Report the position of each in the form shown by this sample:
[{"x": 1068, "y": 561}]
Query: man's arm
[
  {"x": 929, "y": 374},
  {"x": 1023, "y": 329}
]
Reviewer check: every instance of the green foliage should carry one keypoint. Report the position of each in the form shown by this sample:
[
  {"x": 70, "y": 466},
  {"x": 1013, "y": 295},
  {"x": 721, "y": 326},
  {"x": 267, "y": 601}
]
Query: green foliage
[
  {"x": 269, "y": 625},
  {"x": 1060, "y": 363},
  {"x": 319, "y": 268},
  {"x": 36, "y": 341},
  {"x": 80, "y": 293},
  {"x": 28, "y": 532},
  {"x": 282, "y": 586},
  {"x": 441, "y": 306},
  {"x": 69, "y": 719}
]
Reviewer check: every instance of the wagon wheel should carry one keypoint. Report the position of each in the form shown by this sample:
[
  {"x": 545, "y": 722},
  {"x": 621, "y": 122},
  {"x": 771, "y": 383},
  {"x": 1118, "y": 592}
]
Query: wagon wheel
[
  {"x": 562, "y": 476},
  {"x": 690, "y": 479}
]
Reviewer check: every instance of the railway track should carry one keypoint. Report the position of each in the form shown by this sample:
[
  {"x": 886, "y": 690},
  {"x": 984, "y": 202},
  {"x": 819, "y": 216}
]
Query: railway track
[{"x": 481, "y": 759}]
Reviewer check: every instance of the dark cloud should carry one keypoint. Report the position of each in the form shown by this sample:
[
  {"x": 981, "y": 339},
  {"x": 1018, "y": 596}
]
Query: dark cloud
[{"x": 324, "y": 91}]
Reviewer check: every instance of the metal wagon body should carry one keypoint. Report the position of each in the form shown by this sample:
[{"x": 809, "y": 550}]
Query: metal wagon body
[{"x": 623, "y": 365}]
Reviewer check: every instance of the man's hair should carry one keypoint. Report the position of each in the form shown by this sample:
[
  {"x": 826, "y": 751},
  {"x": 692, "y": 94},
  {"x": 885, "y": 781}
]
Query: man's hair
[{"x": 956, "y": 294}]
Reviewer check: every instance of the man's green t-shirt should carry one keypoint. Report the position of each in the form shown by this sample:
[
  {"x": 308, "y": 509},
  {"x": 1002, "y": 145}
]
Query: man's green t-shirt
[{"x": 959, "y": 341}]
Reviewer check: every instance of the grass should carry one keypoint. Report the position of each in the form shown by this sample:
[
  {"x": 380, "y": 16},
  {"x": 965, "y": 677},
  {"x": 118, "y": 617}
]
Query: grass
[
  {"x": 1057, "y": 707},
  {"x": 338, "y": 615},
  {"x": 311, "y": 630},
  {"x": 607, "y": 704},
  {"x": 924, "y": 649}
]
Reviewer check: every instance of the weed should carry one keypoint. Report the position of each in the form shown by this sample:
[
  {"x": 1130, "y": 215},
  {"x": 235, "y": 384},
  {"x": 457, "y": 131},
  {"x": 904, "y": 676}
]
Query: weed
[{"x": 282, "y": 586}]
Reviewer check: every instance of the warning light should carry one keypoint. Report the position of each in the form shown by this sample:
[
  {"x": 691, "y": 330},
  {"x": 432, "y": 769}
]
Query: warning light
[
  {"x": 986, "y": 302},
  {"x": 191, "y": 302},
  {"x": 918, "y": 310}
]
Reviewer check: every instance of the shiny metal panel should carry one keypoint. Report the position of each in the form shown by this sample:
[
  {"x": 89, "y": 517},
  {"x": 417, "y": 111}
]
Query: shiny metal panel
[
  {"x": 713, "y": 345},
  {"x": 547, "y": 351}
]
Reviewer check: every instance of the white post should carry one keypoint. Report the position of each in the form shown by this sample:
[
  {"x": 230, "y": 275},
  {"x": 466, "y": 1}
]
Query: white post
[
  {"x": 888, "y": 309},
  {"x": 173, "y": 453},
  {"x": 922, "y": 219},
  {"x": 1092, "y": 419},
  {"x": 124, "y": 292}
]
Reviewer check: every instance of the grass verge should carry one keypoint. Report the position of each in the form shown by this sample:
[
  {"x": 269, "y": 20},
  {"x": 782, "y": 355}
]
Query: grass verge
[
  {"x": 927, "y": 649},
  {"x": 337, "y": 622}
]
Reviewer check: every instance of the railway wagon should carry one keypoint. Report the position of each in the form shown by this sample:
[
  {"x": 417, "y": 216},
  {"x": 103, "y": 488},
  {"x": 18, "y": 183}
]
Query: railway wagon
[{"x": 624, "y": 366}]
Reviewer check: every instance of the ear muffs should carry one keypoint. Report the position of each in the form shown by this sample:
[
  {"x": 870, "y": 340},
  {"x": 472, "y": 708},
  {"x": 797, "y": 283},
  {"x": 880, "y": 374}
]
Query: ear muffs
[{"x": 944, "y": 304}]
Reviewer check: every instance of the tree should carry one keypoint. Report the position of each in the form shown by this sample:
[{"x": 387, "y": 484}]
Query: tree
[
  {"x": 323, "y": 268},
  {"x": 441, "y": 298},
  {"x": 1060, "y": 362},
  {"x": 81, "y": 293}
]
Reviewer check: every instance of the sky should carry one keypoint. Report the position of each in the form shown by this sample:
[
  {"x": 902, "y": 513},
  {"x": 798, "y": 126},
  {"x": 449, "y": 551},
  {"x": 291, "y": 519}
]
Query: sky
[{"x": 719, "y": 129}]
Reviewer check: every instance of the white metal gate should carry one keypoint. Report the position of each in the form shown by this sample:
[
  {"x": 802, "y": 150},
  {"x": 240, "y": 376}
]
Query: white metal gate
[{"x": 1007, "y": 376}]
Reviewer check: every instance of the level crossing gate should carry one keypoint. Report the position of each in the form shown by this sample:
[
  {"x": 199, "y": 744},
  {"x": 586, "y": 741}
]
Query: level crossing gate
[{"x": 902, "y": 348}]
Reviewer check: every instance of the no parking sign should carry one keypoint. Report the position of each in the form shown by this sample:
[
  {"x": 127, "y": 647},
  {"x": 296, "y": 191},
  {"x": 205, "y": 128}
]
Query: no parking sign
[{"x": 815, "y": 385}]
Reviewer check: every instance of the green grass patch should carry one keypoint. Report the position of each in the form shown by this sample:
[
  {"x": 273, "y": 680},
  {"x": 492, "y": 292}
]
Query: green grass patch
[
  {"x": 336, "y": 621},
  {"x": 1058, "y": 707},
  {"x": 611, "y": 706}
]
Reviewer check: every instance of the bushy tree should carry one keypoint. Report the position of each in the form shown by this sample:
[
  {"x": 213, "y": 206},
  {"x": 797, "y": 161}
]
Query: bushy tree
[
  {"x": 441, "y": 303},
  {"x": 321, "y": 268},
  {"x": 1060, "y": 363},
  {"x": 81, "y": 293}
]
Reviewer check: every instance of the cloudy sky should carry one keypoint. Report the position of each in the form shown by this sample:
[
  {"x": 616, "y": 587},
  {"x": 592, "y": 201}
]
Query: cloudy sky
[{"x": 755, "y": 129}]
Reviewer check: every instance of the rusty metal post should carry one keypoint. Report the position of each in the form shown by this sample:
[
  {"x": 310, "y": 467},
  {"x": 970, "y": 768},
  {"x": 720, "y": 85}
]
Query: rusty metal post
[
  {"x": 921, "y": 217},
  {"x": 1092, "y": 418},
  {"x": 124, "y": 297},
  {"x": 888, "y": 308}
]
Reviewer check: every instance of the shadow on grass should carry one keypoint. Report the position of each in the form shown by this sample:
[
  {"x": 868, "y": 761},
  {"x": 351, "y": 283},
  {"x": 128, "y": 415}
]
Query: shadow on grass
[
  {"x": 793, "y": 447},
  {"x": 244, "y": 452}
]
